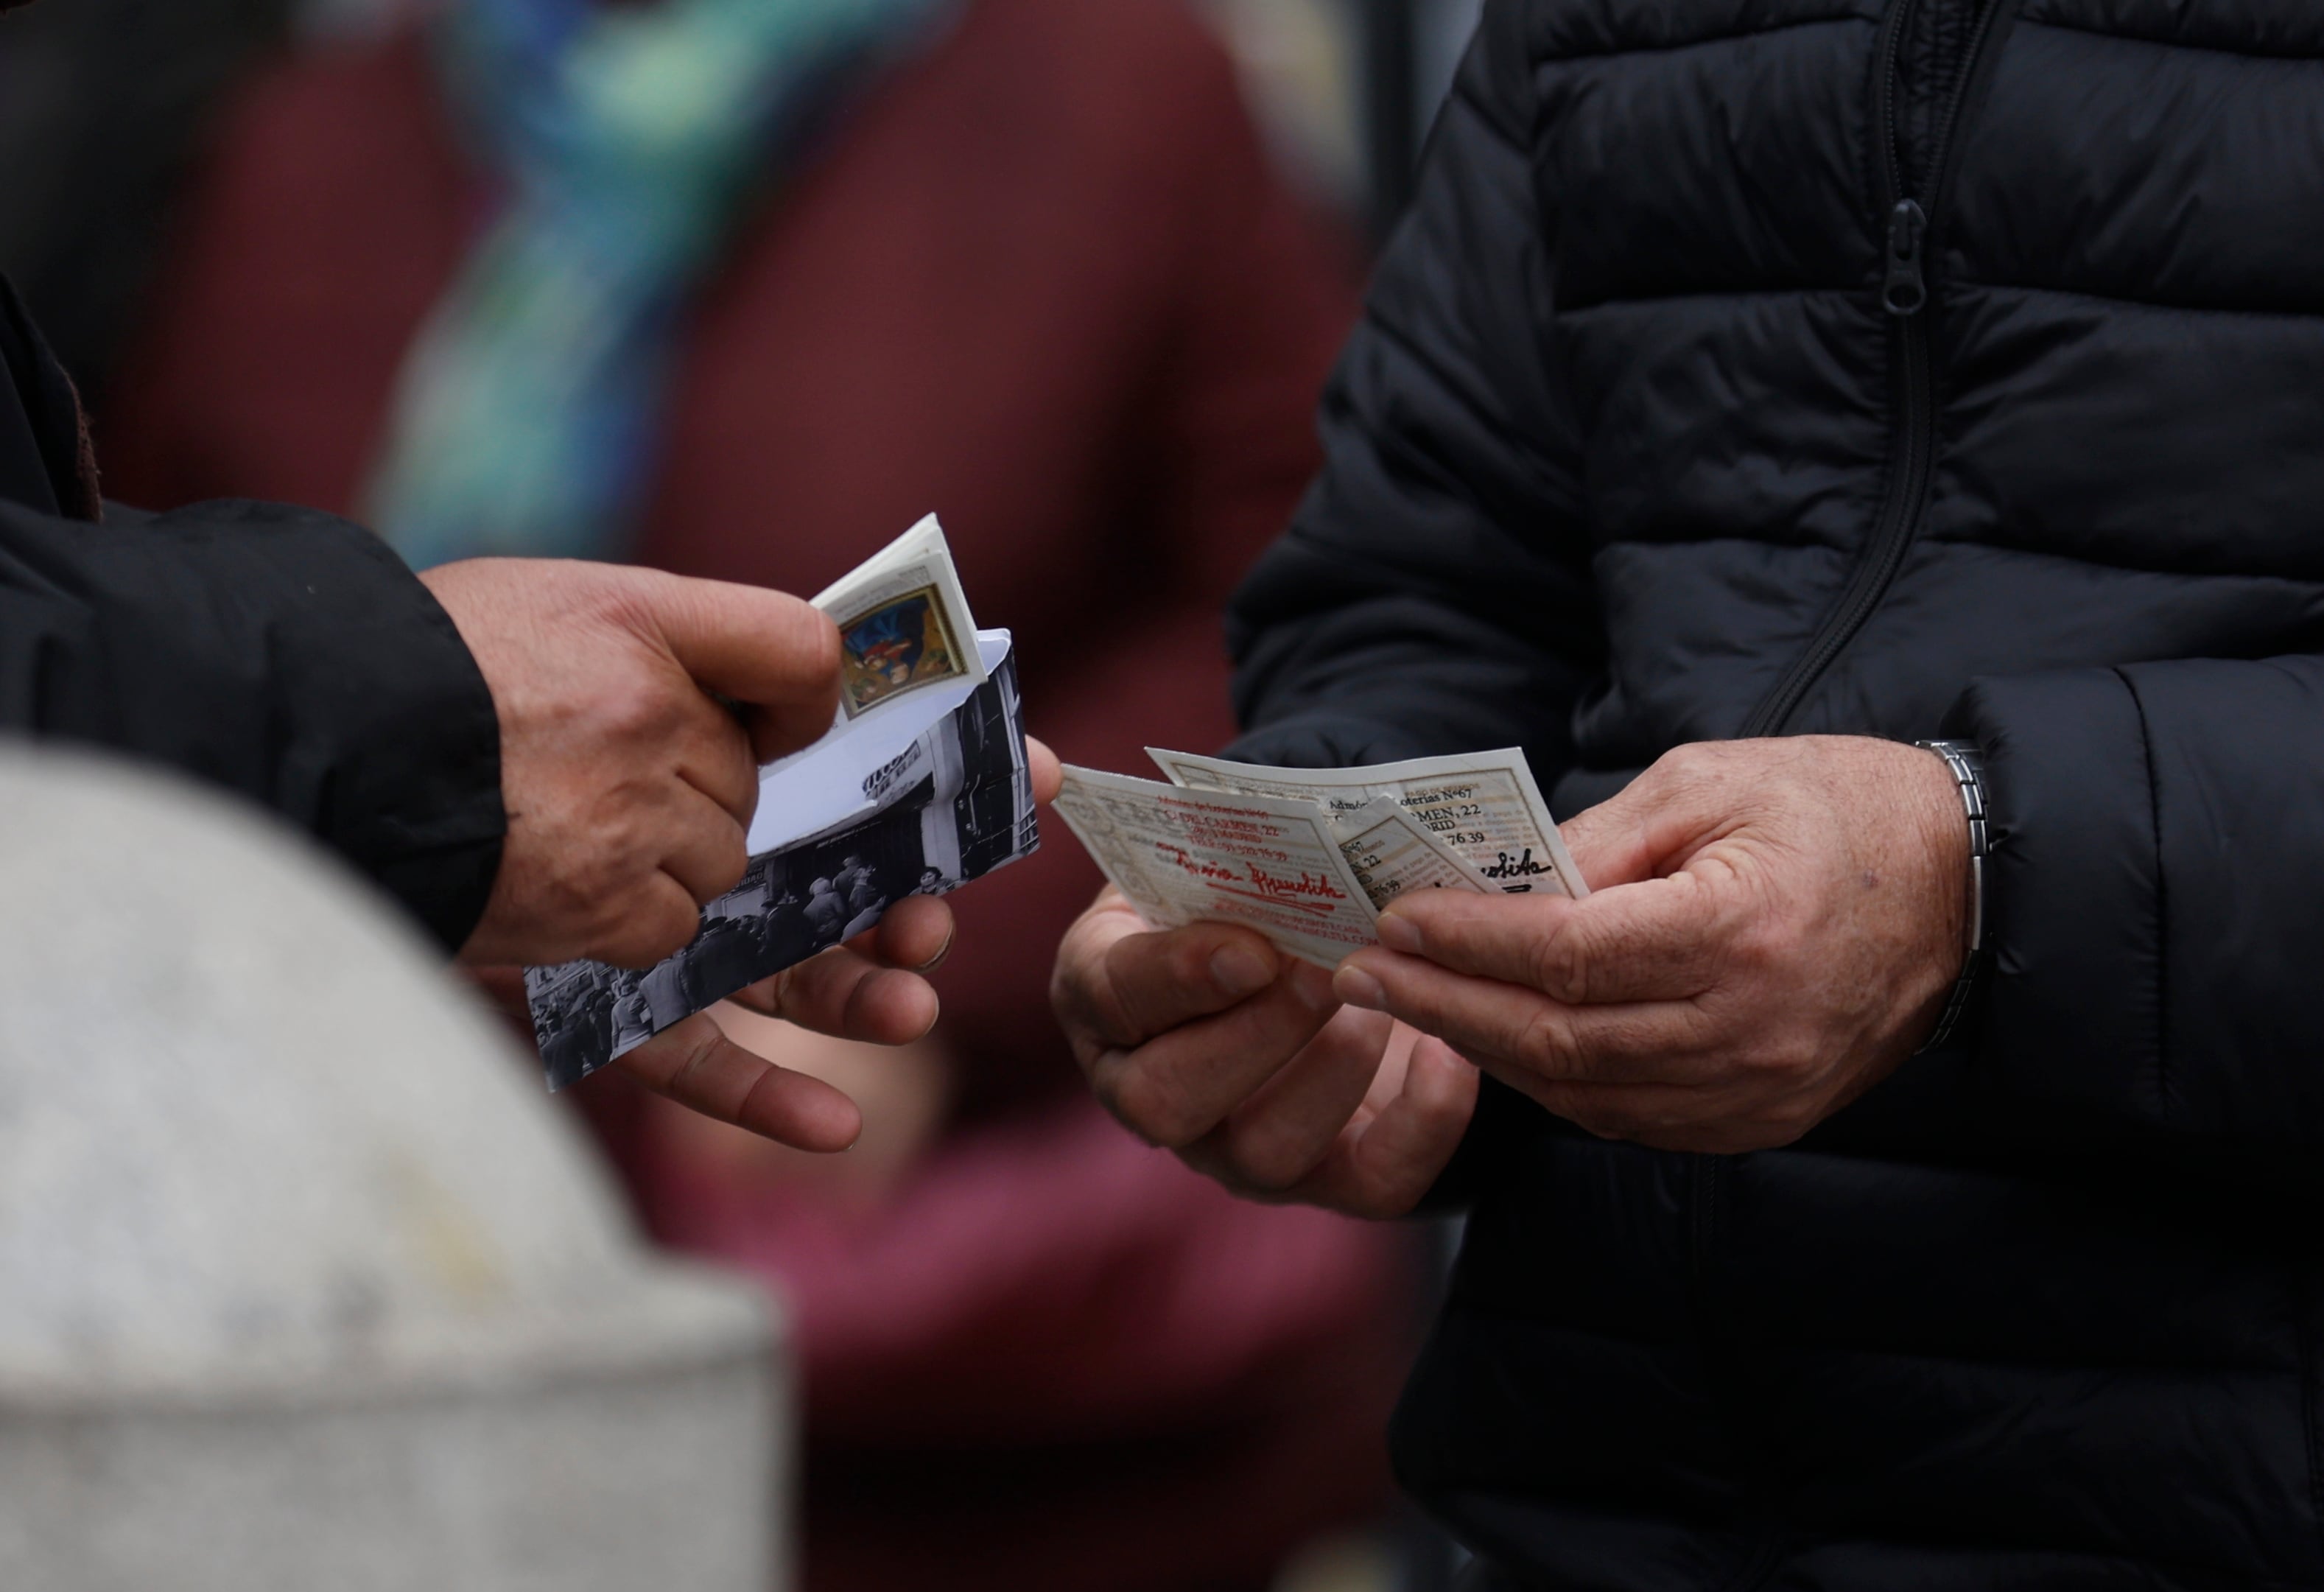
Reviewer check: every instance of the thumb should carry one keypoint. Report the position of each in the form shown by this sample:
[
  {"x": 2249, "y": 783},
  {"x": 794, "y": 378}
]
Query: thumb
[
  {"x": 1644, "y": 830},
  {"x": 1636, "y": 939},
  {"x": 1654, "y": 939},
  {"x": 767, "y": 650}
]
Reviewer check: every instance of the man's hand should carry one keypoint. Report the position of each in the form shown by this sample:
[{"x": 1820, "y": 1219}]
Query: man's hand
[
  {"x": 1206, "y": 1040},
  {"x": 872, "y": 989},
  {"x": 1775, "y": 925},
  {"x": 629, "y": 784}
]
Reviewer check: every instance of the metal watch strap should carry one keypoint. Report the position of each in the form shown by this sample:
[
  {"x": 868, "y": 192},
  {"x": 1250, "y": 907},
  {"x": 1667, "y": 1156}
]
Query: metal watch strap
[{"x": 1968, "y": 768}]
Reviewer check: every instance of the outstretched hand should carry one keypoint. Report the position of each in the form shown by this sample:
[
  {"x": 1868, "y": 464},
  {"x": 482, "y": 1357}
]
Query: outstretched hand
[
  {"x": 1208, "y": 1042},
  {"x": 873, "y": 988},
  {"x": 634, "y": 710},
  {"x": 1775, "y": 928}
]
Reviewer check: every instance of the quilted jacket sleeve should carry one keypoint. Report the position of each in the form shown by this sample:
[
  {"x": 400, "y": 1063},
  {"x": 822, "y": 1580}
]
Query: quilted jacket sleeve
[
  {"x": 2157, "y": 900},
  {"x": 279, "y": 653},
  {"x": 1433, "y": 592}
]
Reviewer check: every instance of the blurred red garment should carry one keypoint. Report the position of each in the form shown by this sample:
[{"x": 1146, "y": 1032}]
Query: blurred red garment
[
  {"x": 1054, "y": 1359},
  {"x": 1041, "y": 280}
]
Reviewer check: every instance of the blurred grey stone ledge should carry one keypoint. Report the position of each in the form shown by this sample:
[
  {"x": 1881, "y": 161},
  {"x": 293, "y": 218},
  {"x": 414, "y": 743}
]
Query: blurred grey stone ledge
[{"x": 304, "y": 1283}]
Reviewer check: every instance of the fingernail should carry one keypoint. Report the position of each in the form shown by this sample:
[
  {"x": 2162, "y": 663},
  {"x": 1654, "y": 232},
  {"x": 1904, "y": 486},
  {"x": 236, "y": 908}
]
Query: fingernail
[
  {"x": 1357, "y": 987},
  {"x": 937, "y": 960},
  {"x": 1398, "y": 933},
  {"x": 1238, "y": 971}
]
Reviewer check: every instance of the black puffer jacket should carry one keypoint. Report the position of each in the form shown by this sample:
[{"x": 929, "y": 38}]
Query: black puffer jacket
[
  {"x": 1629, "y": 452},
  {"x": 283, "y": 654}
]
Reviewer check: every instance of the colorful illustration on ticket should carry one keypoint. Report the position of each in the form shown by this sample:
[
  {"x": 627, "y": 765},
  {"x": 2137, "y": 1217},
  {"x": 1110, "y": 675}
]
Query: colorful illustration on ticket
[{"x": 895, "y": 647}]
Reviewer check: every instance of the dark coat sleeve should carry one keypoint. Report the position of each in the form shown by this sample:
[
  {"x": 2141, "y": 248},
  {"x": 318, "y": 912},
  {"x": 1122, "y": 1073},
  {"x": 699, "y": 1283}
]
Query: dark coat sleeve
[
  {"x": 1432, "y": 594},
  {"x": 2156, "y": 901},
  {"x": 282, "y": 654}
]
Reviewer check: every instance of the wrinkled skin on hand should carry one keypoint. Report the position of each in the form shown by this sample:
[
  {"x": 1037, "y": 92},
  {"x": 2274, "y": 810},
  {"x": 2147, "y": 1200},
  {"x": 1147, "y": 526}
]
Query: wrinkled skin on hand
[
  {"x": 1775, "y": 926},
  {"x": 636, "y": 709},
  {"x": 1205, "y": 1039},
  {"x": 629, "y": 784},
  {"x": 872, "y": 989}
]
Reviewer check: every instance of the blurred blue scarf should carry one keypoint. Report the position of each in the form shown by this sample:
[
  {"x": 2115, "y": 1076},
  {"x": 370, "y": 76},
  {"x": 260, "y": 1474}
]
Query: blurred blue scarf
[{"x": 628, "y": 136}]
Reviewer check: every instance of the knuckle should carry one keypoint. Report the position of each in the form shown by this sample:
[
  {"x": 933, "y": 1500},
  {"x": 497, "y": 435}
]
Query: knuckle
[
  {"x": 575, "y": 896},
  {"x": 1689, "y": 762},
  {"x": 1560, "y": 964},
  {"x": 1536, "y": 1045},
  {"x": 1788, "y": 1061},
  {"x": 689, "y": 1052},
  {"x": 664, "y": 929},
  {"x": 1542, "y": 1047},
  {"x": 1767, "y": 946},
  {"x": 726, "y": 860},
  {"x": 1545, "y": 1045},
  {"x": 638, "y": 709}
]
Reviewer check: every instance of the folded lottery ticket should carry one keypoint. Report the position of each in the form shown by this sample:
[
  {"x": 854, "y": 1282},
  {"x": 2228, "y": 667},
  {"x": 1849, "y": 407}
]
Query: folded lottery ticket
[
  {"x": 1483, "y": 805},
  {"x": 920, "y": 786},
  {"x": 1390, "y": 852},
  {"x": 1179, "y": 855},
  {"x": 1309, "y": 857}
]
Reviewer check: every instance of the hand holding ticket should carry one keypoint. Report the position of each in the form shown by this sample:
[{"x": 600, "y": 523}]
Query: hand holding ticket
[
  {"x": 1308, "y": 857},
  {"x": 922, "y": 784},
  {"x": 1483, "y": 806}
]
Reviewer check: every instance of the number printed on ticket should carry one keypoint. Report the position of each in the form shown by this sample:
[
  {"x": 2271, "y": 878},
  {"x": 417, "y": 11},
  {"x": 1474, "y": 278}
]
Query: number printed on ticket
[
  {"x": 1483, "y": 805},
  {"x": 1390, "y": 852},
  {"x": 1184, "y": 855}
]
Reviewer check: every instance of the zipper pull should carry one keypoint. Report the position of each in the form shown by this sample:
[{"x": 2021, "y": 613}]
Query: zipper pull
[{"x": 1906, "y": 290}]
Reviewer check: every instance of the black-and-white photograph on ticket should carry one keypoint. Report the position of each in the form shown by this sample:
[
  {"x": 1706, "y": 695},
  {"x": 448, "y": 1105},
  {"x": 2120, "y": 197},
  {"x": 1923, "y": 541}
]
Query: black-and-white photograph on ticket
[{"x": 932, "y": 808}]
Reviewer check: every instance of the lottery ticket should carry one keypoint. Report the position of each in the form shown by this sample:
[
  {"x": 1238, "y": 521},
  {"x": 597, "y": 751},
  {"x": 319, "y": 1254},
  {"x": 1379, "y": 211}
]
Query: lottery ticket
[
  {"x": 903, "y": 622},
  {"x": 921, "y": 785},
  {"x": 1483, "y": 805},
  {"x": 1181, "y": 855},
  {"x": 1390, "y": 852}
]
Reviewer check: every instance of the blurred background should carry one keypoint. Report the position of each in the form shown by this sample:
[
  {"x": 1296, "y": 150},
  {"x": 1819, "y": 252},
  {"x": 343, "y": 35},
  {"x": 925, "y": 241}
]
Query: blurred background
[{"x": 741, "y": 288}]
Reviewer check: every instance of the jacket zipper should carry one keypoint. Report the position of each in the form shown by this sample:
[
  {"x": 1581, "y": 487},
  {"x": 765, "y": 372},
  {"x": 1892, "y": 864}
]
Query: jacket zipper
[{"x": 1904, "y": 295}]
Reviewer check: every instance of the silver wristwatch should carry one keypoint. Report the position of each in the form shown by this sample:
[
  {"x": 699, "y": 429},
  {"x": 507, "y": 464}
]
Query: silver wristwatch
[{"x": 1969, "y": 772}]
